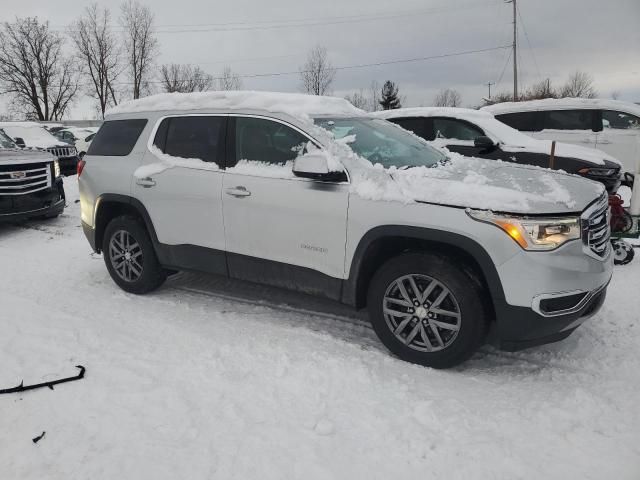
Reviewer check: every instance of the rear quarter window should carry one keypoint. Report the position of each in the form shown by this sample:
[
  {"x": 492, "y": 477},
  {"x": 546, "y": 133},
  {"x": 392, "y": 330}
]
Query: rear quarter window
[
  {"x": 569, "y": 120},
  {"x": 116, "y": 138}
]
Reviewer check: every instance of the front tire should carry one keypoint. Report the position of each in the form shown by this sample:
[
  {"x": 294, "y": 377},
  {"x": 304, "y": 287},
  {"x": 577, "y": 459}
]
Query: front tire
[
  {"x": 426, "y": 310},
  {"x": 623, "y": 252},
  {"x": 130, "y": 257}
]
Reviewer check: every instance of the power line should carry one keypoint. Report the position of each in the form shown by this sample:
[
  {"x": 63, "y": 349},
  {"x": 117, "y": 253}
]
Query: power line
[{"x": 526, "y": 35}]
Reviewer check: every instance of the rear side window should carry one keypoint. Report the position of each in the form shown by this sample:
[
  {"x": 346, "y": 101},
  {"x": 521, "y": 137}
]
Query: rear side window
[
  {"x": 523, "y": 121},
  {"x": 569, "y": 120},
  {"x": 192, "y": 137},
  {"x": 415, "y": 125},
  {"x": 116, "y": 138}
]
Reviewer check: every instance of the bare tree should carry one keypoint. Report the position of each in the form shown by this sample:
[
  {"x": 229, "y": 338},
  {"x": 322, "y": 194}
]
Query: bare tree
[
  {"x": 580, "y": 84},
  {"x": 615, "y": 94},
  {"x": 229, "y": 80},
  {"x": 318, "y": 73},
  {"x": 447, "y": 97},
  {"x": 358, "y": 100},
  {"x": 184, "y": 78},
  {"x": 98, "y": 51},
  {"x": 374, "y": 99},
  {"x": 41, "y": 81},
  {"x": 540, "y": 90},
  {"x": 140, "y": 43}
]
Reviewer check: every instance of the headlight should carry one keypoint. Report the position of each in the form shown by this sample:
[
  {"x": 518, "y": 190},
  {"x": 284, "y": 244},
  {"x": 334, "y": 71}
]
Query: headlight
[
  {"x": 56, "y": 168},
  {"x": 533, "y": 233},
  {"x": 598, "y": 172}
]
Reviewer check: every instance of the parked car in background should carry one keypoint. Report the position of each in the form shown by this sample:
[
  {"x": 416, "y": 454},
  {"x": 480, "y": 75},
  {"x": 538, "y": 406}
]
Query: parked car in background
[
  {"x": 609, "y": 125},
  {"x": 30, "y": 183},
  {"x": 478, "y": 134},
  {"x": 33, "y": 135},
  {"x": 79, "y": 137},
  {"x": 312, "y": 194}
]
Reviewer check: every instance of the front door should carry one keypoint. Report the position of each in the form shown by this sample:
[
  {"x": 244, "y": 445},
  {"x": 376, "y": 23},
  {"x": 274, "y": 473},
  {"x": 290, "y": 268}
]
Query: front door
[
  {"x": 281, "y": 229},
  {"x": 180, "y": 185}
]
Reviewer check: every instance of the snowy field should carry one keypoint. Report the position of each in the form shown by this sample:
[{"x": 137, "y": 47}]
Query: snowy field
[{"x": 209, "y": 379}]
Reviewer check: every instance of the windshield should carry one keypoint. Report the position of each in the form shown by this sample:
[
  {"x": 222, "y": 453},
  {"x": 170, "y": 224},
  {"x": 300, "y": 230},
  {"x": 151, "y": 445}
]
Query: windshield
[
  {"x": 382, "y": 142},
  {"x": 5, "y": 141}
]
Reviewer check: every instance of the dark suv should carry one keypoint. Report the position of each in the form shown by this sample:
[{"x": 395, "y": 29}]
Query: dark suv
[
  {"x": 30, "y": 183},
  {"x": 474, "y": 133}
]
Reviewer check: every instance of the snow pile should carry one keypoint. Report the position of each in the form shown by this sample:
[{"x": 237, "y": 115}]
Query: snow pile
[
  {"x": 263, "y": 169},
  {"x": 167, "y": 162},
  {"x": 297, "y": 105},
  {"x": 33, "y": 134}
]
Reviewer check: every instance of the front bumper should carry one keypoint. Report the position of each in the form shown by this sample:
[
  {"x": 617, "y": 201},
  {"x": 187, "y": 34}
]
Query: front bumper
[
  {"x": 44, "y": 203},
  {"x": 520, "y": 327}
]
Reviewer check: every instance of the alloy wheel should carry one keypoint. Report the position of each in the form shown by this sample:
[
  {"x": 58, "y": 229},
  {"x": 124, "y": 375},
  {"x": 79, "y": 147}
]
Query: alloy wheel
[
  {"x": 125, "y": 254},
  {"x": 422, "y": 312}
]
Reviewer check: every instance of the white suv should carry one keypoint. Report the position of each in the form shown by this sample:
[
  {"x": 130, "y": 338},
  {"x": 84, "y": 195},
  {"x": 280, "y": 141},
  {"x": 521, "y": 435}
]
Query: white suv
[
  {"x": 608, "y": 125},
  {"x": 310, "y": 193}
]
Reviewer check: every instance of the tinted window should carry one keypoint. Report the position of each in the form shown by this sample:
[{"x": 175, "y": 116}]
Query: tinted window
[
  {"x": 619, "y": 120},
  {"x": 569, "y": 120},
  {"x": 523, "y": 121},
  {"x": 415, "y": 125},
  {"x": 191, "y": 137},
  {"x": 117, "y": 137},
  {"x": 263, "y": 140},
  {"x": 455, "y": 129}
]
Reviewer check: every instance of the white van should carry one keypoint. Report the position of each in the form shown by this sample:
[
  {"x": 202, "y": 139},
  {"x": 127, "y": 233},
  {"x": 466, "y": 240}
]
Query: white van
[{"x": 607, "y": 125}]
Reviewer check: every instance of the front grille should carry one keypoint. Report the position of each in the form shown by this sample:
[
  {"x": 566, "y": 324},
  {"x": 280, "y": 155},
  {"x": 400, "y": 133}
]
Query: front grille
[
  {"x": 61, "y": 152},
  {"x": 596, "y": 231},
  {"x": 24, "y": 179}
]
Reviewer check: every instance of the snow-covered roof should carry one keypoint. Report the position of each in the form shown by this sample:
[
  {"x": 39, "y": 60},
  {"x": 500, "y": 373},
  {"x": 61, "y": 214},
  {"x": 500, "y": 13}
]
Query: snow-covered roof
[
  {"x": 294, "y": 104},
  {"x": 563, "y": 104},
  {"x": 33, "y": 133},
  {"x": 462, "y": 113}
]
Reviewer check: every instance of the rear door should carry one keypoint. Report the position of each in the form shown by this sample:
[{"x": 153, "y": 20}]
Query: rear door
[
  {"x": 281, "y": 229},
  {"x": 180, "y": 184}
]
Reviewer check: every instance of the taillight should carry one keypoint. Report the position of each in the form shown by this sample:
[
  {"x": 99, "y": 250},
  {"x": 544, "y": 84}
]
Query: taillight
[{"x": 80, "y": 167}]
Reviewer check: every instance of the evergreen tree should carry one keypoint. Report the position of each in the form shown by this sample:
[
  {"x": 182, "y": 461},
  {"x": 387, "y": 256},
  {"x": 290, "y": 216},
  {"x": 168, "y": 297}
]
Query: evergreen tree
[{"x": 390, "y": 99}]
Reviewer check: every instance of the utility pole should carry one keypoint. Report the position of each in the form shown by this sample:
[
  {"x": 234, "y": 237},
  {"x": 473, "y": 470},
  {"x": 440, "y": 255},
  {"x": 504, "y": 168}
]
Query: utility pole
[
  {"x": 489, "y": 85},
  {"x": 515, "y": 49}
]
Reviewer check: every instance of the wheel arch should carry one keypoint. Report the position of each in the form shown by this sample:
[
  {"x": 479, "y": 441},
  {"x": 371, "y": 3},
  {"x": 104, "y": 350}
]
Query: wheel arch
[
  {"x": 382, "y": 243},
  {"x": 110, "y": 206}
]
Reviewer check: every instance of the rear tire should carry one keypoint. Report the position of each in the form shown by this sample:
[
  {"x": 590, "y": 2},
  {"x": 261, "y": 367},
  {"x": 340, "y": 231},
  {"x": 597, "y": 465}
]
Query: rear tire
[
  {"x": 442, "y": 324},
  {"x": 130, "y": 257}
]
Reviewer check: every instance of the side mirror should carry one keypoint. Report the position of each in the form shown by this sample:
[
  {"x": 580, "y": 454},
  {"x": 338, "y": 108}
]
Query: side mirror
[
  {"x": 484, "y": 143},
  {"x": 311, "y": 165},
  {"x": 20, "y": 142}
]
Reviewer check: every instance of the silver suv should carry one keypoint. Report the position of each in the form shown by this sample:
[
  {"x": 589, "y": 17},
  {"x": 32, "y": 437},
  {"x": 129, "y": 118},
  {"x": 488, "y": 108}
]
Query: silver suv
[{"x": 311, "y": 194}]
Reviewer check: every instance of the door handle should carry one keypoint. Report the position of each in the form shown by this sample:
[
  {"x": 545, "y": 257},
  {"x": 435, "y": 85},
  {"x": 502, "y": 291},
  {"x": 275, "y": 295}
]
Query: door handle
[
  {"x": 238, "y": 192},
  {"x": 146, "y": 182}
]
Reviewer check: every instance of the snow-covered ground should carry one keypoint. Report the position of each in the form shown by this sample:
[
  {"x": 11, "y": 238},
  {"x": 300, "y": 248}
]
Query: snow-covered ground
[{"x": 209, "y": 379}]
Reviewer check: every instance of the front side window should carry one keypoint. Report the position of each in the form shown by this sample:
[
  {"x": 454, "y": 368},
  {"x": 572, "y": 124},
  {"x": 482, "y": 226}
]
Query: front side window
[
  {"x": 569, "y": 120},
  {"x": 455, "y": 129},
  {"x": 195, "y": 137},
  {"x": 116, "y": 138},
  {"x": 382, "y": 142},
  {"x": 262, "y": 140},
  {"x": 619, "y": 120},
  {"x": 5, "y": 140}
]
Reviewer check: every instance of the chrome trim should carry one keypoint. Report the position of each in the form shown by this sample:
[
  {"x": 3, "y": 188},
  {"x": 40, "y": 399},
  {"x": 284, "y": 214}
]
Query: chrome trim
[
  {"x": 535, "y": 304},
  {"x": 35, "y": 183},
  {"x": 595, "y": 229}
]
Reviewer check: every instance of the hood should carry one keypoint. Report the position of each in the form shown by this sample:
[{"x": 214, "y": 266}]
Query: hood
[
  {"x": 498, "y": 186},
  {"x": 20, "y": 156}
]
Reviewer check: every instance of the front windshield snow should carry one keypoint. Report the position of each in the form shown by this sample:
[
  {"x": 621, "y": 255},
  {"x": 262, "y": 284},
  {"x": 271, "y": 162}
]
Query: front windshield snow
[{"x": 382, "y": 142}]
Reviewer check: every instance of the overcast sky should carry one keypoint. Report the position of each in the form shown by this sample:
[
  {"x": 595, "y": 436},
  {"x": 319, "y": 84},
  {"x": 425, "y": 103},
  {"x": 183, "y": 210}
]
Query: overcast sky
[{"x": 601, "y": 37}]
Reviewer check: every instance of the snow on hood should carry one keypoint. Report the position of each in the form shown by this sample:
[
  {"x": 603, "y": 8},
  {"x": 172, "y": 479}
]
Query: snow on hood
[
  {"x": 294, "y": 104},
  {"x": 34, "y": 134},
  {"x": 20, "y": 156},
  {"x": 481, "y": 184}
]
